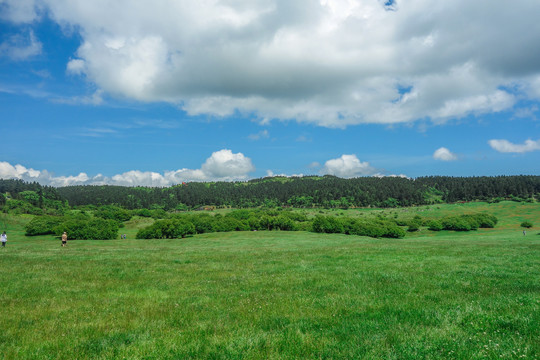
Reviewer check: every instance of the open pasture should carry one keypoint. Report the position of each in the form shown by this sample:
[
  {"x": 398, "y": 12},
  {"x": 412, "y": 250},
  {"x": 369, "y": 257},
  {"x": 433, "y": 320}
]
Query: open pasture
[{"x": 275, "y": 295}]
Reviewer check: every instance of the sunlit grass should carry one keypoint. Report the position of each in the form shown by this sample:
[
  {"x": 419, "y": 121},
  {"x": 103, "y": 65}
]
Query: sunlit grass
[{"x": 275, "y": 295}]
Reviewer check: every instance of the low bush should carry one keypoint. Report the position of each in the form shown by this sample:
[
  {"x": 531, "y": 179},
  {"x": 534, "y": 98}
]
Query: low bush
[
  {"x": 327, "y": 224},
  {"x": 486, "y": 220},
  {"x": 169, "y": 228},
  {"x": 226, "y": 223},
  {"x": 113, "y": 212},
  {"x": 526, "y": 224},
  {"x": 373, "y": 228},
  {"x": 435, "y": 225},
  {"x": 142, "y": 212},
  {"x": 457, "y": 223},
  {"x": 83, "y": 229},
  {"x": 42, "y": 225},
  {"x": 468, "y": 222}
]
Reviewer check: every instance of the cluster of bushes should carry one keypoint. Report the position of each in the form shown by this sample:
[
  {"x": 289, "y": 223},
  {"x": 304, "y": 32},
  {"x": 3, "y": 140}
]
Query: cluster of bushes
[
  {"x": 81, "y": 227},
  {"x": 93, "y": 229},
  {"x": 527, "y": 224},
  {"x": 17, "y": 207},
  {"x": 30, "y": 202},
  {"x": 168, "y": 229},
  {"x": 106, "y": 221},
  {"x": 376, "y": 228},
  {"x": 111, "y": 212},
  {"x": 249, "y": 220},
  {"x": 43, "y": 225},
  {"x": 463, "y": 222},
  {"x": 181, "y": 225},
  {"x": 252, "y": 220},
  {"x": 121, "y": 214}
]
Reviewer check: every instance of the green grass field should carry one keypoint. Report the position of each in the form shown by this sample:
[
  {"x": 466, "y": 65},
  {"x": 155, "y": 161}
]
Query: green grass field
[{"x": 277, "y": 295}]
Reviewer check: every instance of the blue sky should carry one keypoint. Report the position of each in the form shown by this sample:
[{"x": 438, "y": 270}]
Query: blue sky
[{"x": 156, "y": 93}]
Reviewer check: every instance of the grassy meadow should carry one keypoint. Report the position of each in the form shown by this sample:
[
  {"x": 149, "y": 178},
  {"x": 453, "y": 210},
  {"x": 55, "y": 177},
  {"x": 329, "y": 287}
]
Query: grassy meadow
[{"x": 278, "y": 295}]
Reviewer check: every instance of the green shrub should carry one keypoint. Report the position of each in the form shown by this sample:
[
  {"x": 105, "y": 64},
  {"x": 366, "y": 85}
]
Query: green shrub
[
  {"x": 372, "y": 228},
  {"x": 159, "y": 214},
  {"x": 391, "y": 230},
  {"x": 94, "y": 229},
  {"x": 168, "y": 228},
  {"x": 435, "y": 225},
  {"x": 142, "y": 212},
  {"x": 18, "y": 207},
  {"x": 303, "y": 226},
  {"x": 456, "y": 223},
  {"x": 327, "y": 224},
  {"x": 204, "y": 223},
  {"x": 415, "y": 223},
  {"x": 242, "y": 214},
  {"x": 254, "y": 222},
  {"x": 486, "y": 220},
  {"x": 282, "y": 222},
  {"x": 150, "y": 232},
  {"x": 468, "y": 222},
  {"x": 526, "y": 224},
  {"x": 42, "y": 225},
  {"x": 296, "y": 216},
  {"x": 367, "y": 228},
  {"x": 226, "y": 224},
  {"x": 348, "y": 225},
  {"x": 113, "y": 212},
  {"x": 401, "y": 222}
]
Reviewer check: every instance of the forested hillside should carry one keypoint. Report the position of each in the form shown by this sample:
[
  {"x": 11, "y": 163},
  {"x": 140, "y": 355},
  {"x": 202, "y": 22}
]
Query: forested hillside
[
  {"x": 312, "y": 191},
  {"x": 30, "y": 198},
  {"x": 300, "y": 192}
]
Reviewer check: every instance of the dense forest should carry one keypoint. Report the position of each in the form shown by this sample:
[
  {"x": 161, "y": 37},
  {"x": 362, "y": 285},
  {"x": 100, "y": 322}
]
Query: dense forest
[
  {"x": 314, "y": 191},
  {"x": 299, "y": 192}
]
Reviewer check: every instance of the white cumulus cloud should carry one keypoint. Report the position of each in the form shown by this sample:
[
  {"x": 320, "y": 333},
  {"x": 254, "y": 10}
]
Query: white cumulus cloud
[
  {"x": 444, "y": 154},
  {"x": 347, "y": 166},
  {"x": 76, "y": 66},
  {"x": 506, "y": 146},
  {"x": 328, "y": 62},
  {"x": 222, "y": 165}
]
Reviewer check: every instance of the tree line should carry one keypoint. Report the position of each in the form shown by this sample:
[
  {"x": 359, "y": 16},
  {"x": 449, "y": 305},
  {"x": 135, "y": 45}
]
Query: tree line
[
  {"x": 311, "y": 191},
  {"x": 298, "y": 192}
]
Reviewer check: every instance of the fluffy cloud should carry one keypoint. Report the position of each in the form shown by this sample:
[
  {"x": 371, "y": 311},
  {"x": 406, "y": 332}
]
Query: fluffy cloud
[
  {"x": 19, "y": 11},
  {"x": 347, "y": 166},
  {"x": 76, "y": 67},
  {"x": 223, "y": 165},
  {"x": 506, "y": 146},
  {"x": 327, "y": 62},
  {"x": 8, "y": 171},
  {"x": 444, "y": 154}
]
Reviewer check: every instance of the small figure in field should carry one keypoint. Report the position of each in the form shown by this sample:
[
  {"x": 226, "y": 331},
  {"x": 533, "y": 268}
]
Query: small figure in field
[
  {"x": 4, "y": 239},
  {"x": 524, "y": 233},
  {"x": 64, "y": 239}
]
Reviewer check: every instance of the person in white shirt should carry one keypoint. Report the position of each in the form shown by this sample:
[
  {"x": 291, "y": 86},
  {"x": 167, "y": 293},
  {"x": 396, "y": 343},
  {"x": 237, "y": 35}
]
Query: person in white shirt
[{"x": 4, "y": 239}]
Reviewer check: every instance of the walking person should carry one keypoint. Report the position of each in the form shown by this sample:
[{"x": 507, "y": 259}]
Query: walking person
[
  {"x": 4, "y": 239},
  {"x": 64, "y": 239}
]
